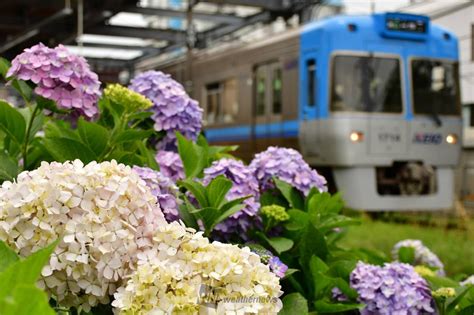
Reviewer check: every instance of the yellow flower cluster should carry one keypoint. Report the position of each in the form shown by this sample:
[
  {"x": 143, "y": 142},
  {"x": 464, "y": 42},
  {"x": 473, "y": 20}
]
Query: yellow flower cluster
[
  {"x": 131, "y": 100},
  {"x": 444, "y": 293},
  {"x": 275, "y": 212},
  {"x": 424, "y": 271},
  {"x": 184, "y": 274}
]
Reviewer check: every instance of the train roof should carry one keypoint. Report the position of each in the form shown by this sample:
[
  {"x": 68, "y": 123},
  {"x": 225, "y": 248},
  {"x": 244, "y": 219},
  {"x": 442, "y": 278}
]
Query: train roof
[{"x": 392, "y": 31}]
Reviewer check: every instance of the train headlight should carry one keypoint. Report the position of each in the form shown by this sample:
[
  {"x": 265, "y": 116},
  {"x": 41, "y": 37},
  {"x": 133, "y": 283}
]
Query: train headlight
[
  {"x": 356, "y": 136},
  {"x": 452, "y": 138}
]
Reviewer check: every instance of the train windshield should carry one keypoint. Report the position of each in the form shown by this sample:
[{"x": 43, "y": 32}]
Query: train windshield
[
  {"x": 435, "y": 87},
  {"x": 366, "y": 84}
]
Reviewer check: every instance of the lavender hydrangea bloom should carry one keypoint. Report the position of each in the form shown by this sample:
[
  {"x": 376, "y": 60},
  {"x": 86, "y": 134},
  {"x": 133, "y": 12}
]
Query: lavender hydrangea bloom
[
  {"x": 277, "y": 266},
  {"x": 288, "y": 165},
  {"x": 423, "y": 255},
  {"x": 170, "y": 165},
  {"x": 394, "y": 288},
  {"x": 59, "y": 76},
  {"x": 244, "y": 184},
  {"x": 173, "y": 109},
  {"x": 163, "y": 188}
]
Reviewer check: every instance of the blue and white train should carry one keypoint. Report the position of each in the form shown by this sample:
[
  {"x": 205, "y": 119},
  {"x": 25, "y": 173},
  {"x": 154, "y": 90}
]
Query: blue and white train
[{"x": 372, "y": 102}]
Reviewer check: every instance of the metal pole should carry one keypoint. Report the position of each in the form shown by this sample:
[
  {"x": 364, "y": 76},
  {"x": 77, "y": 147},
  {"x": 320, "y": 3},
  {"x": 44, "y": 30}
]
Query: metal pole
[
  {"x": 80, "y": 22},
  {"x": 190, "y": 42}
]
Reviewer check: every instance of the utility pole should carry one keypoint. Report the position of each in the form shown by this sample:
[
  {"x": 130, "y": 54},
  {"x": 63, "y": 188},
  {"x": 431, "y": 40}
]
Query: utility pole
[{"x": 190, "y": 43}]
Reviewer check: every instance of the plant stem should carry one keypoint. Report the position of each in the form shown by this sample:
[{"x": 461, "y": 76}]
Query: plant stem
[{"x": 27, "y": 135}]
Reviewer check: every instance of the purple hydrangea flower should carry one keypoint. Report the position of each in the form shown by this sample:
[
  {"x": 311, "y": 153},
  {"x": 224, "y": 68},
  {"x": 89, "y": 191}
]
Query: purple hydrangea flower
[
  {"x": 59, "y": 76},
  {"x": 394, "y": 288},
  {"x": 171, "y": 165},
  {"x": 288, "y": 165},
  {"x": 423, "y": 255},
  {"x": 277, "y": 267},
  {"x": 244, "y": 184},
  {"x": 173, "y": 109},
  {"x": 164, "y": 189}
]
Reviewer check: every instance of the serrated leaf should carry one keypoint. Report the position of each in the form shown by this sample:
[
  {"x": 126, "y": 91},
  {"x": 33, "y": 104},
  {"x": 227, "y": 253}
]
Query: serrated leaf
[
  {"x": 93, "y": 135},
  {"x": 12, "y": 122},
  {"x": 294, "y": 303},
  {"x": 64, "y": 149},
  {"x": 291, "y": 194},
  {"x": 7, "y": 256},
  {"x": 217, "y": 190}
]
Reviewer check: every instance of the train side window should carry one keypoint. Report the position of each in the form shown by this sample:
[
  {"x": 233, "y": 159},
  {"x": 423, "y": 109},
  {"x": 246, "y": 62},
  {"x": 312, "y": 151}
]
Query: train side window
[
  {"x": 214, "y": 100},
  {"x": 311, "y": 88},
  {"x": 260, "y": 93},
  {"x": 222, "y": 102},
  {"x": 277, "y": 95}
]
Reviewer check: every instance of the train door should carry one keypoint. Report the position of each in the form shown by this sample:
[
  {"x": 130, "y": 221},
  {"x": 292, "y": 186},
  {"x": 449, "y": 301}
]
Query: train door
[{"x": 268, "y": 105}]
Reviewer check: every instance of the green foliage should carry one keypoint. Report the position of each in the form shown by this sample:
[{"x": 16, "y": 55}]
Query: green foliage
[
  {"x": 18, "y": 293},
  {"x": 197, "y": 156},
  {"x": 213, "y": 207}
]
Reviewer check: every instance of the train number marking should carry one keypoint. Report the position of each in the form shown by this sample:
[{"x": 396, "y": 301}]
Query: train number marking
[
  {"x": 428, "y": 138},
  {"x": 389, "y": 137}
]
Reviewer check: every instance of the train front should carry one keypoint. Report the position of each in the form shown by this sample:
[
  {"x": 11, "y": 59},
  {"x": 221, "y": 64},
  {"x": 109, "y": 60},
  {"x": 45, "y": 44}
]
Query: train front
[{"x": 380, "y": 107}]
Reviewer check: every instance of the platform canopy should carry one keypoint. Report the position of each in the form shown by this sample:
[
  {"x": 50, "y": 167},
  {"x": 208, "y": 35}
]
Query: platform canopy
[{"x": 119, "y": 33}]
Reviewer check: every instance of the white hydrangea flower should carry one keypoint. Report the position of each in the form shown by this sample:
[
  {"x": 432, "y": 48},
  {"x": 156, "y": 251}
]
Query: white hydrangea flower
[
  {"x": 104, "y": 214},
  {"x": 185, "y": 273},
  {"x": 468, "y": 281}
]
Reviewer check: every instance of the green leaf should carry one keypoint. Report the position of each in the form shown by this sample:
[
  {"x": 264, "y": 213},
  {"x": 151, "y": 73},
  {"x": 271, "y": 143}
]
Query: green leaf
[
  {"x": 291, "y": 194},
  {"x": 294, "y": 303},
  {"x": 27, "y": 300},
  {"x": 60, "y": 129},
  {"x": 37, "y": 122},
  {"x": 130, "y": 159},
  {"x": 12, "y": 122},
  {"x": 289, "y": 272},
  {"x": 7, "y": 256},
  {"x": 185, "y": 213},
  {"x": 4, "y": 66},
  {"x": 298, "y": 220},
  {"x": 8, "y": 167},
  {"x": 140, "y": 115},
  {"x": 23, "y": 272},
  {"x": 64, "y": 149},
  {"x": 217, "y": 190},
  {"x": 23, "y": 88},
  {"x": 148, "y": 155},
  {"x": 50, "y": 105},
  {"x": 132, "y": 135},
  {"x": 269, "y": 198},
  {"x": 208, "y": 216},
  {"x": 227, "y": 213},
  {"x": 193, "y": 156},
  {"x": 280, "y": 244},
  {"x": 197, "y": 189},
  {"x": 326, "y": 306},
  {"x": 460, "y": 293},
  {"x": 93, "y": 135},
  {"x": 312, "y": 243},
  {"x": 406, "y": 255},
  {"x": 330, "y": 222}
]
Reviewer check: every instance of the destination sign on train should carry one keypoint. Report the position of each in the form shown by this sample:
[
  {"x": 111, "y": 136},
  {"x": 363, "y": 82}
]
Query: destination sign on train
[{"x": 405, "y": 25}]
